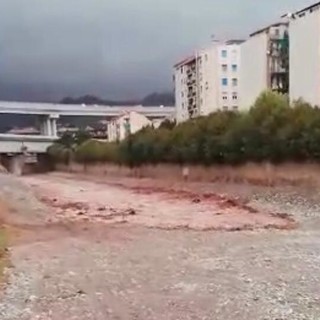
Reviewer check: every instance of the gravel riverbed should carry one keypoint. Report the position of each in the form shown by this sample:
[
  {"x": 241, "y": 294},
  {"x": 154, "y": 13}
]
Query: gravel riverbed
[{"x": 79, "y": 269}]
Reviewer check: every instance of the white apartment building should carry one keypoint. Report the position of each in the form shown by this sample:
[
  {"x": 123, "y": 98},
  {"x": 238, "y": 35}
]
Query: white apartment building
[
  {"x": 130, "y": 122},
  {"x": 208, "y": 80},
  {"x": 264, "y": 63},
  {"x": 304, "y": 33}
]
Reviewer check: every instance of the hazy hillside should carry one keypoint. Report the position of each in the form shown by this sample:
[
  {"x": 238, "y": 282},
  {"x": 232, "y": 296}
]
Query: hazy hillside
[
  {"x": 153, "y": 99},
  {"x": 91, "y": 100}
]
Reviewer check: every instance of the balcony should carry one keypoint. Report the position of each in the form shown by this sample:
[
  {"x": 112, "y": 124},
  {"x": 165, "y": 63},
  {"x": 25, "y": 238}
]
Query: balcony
[
  {"x": 191, "y": 86},
  {"x": 191, "y": 94},
  {"x": 275, "y": 66},
  {"x": 191, "y": 69},
  {"x": 191, "y": 105},
  {"x": 191, "y": 82},
  {"x": 191, "y": 77},
  {"x": 275, "y": 36}
]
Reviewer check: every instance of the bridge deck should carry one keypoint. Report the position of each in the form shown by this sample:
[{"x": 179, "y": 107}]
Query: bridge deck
[
  {"x": 80, "y": 110},
  {"x": 11, "y": 143}
]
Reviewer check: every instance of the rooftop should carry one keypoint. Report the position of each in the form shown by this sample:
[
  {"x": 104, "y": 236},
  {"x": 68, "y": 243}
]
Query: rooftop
[
  {"x": 234, "y": 41},
  {"x": 185, "y": 61},
  {"x": 192, "y": 58},
  {"x": 310, "y": 8},
  {"x": 276, "y": 24},
  {"x": 68, "y": 129},
  {"x": 26, "y": 130}
]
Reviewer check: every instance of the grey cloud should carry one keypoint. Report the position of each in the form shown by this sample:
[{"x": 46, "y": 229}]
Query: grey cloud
[{"x": 113, "y": 48}]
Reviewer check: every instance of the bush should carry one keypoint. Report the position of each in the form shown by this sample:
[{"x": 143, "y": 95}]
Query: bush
[
  {"x": 93, "y": 151},
  {"x": 271, "y": 130},
  {"x": 60, "y": 153}
]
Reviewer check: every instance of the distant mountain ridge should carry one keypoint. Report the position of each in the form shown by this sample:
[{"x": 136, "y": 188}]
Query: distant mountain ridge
[
  {"x": 91, "y": 100},
  {"x": 153, "y": 99}
]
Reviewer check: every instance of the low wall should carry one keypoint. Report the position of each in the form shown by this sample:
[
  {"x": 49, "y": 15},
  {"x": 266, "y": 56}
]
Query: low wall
[{"x": 259, "y": 174}]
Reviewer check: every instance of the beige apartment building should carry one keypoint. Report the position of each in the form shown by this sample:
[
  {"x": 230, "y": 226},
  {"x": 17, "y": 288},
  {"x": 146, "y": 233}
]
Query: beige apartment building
[
  {"x": 304, "y": 34},
  {"x": 264, "y": 63},
  {"x": 128, "y": 123},
  {"x": 208, "y": 80}
]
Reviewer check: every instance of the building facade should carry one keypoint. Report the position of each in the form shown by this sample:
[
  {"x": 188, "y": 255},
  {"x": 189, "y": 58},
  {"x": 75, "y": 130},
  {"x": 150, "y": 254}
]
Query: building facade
[
  {"x": 264, "y": 63},
  {"x": 120, "y": 127},
  {"x": 304, "y": 28},
  {"x": 208, "y": 81}
]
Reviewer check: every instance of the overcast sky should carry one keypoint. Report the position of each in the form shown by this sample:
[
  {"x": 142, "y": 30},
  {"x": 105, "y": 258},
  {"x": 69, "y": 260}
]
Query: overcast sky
[{"x": 114, "y": 48}]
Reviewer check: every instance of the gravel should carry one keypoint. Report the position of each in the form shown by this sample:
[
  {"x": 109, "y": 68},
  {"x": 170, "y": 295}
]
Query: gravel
[
  {"x": 131, "y": 272},
  {"x": 25, "y": 207}
]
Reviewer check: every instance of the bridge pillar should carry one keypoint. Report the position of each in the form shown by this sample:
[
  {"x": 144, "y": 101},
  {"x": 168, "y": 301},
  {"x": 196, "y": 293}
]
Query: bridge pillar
[
  {"x": 48, "y": 125},
  {"x": 16, "y": 164},
  {"x": 54, "y": 131},
  {"x": 42, "y": 127},
  {"x": 45, "y": 126}
]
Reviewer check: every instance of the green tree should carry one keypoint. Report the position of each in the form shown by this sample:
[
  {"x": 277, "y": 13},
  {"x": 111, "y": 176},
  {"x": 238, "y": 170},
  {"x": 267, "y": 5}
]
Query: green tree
[{"x": 272, "y": 130}]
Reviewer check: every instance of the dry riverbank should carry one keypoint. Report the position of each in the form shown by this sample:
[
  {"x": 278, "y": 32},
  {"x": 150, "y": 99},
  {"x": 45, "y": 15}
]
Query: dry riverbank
[{"x": 65, "y": 266}]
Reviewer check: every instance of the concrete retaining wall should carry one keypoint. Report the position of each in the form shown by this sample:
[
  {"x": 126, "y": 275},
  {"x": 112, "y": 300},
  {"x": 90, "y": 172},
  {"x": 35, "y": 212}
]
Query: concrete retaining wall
[{"x": 260, "y": 174}]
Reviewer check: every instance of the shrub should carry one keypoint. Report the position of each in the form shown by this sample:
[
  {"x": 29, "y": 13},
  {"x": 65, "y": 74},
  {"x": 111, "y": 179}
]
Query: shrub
[{"x": 271, "y": 130}]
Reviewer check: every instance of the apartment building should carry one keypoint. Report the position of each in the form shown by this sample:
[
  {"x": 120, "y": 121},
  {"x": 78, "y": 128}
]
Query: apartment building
[
  {"x": 304, "y": 28},
  {"x": 128, "y": 123},
  {"x": 208, "y": 80},
  {"x": 264, "y": 63}
]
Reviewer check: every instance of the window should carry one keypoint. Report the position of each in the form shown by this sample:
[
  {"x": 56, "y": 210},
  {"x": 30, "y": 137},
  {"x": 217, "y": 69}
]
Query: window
[
  {"x": 224, "y": 68},
  {"x": 277, "y": 32},
  {"x": 224, "y": 81},
  {"x": 181, "y": 69},
  {"x": 201, "y": 102},
  {"x": 225, "y": 108},
  {"x": 234, "y": 68},
  {"x": 201, "y": 88},
  {"x": 235, "y": 108},
  {"x": 224, "y": 53},
  {"x": 234, "y": 96},
  {"x": 234, "y": 54},
  {"x": 182, "y": 105},
  {"x": 182, "y": 94},
  {"x": 234, "y": 82},
  {"x": 207, "y": 85},
  {"x": 224, "y": 95},
  {"x": 206, "y": 57}
]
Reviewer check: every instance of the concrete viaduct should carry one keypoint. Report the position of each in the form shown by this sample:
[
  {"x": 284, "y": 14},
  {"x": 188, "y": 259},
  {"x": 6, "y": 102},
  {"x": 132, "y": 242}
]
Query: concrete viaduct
[{"x": 14, "y": 147}]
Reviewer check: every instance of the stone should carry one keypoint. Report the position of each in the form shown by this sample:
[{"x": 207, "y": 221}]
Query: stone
[{"x": 130, "y": 212}]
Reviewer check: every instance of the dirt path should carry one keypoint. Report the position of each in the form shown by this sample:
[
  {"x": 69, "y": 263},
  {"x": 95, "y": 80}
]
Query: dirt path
[
  {"x": 151, "y": 206},
  {"x": 109, "y": 251}
]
